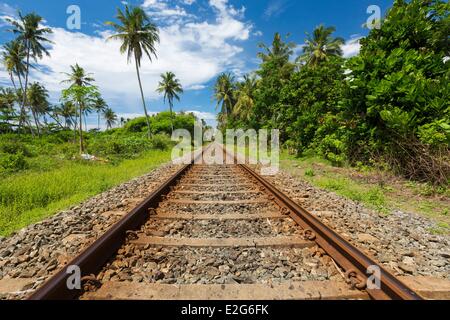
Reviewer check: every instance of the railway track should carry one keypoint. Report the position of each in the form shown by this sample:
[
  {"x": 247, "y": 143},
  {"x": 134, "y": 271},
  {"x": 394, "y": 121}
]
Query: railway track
[{"x": 222, "y": 232}]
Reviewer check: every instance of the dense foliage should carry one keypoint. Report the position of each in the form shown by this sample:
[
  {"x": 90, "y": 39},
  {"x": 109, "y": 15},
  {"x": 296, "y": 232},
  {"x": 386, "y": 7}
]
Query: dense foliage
[{"x": 388, "y": 105}]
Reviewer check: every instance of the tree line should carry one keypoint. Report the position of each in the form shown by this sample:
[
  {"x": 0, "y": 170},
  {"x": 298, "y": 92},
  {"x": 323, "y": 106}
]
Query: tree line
[
  {"x": 25, "y": 107},
  {"x": 388, "y": 106}
]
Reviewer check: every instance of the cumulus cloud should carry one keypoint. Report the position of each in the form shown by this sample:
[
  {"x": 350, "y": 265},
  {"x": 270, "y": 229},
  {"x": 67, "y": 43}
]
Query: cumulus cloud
[{"x": 351, "y": 48}]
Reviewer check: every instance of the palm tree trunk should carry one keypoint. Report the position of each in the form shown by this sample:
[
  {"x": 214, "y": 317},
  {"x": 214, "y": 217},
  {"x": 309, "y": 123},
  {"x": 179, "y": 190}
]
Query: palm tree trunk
[
  {"x": 36, "y": 122},
  {"x": 12, "y": 80},
  {"x": 171, "y": 114},
  {"x": 24, "y": 102},
  {"x": 143, "y": 99},
  {"x": 81, "y": 127},
  {"x": 22, "y": 109},
  {"x": 98, "y": 121}
]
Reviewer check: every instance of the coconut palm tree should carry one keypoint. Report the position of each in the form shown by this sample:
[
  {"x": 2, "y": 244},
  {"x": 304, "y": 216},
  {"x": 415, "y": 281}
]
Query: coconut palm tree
[
  {"x": 78, "y": 77},
  {"x": 68, "y": 112},
  {"x": 38, "y": 103},
  {"x": 280, "y": 51},
  {"x": 13, "y": 59},
  {"x": 82, "y": 90},
  {"x": 171, "y": 87},
  {"x": 33, "y": 37},
  {"x": 245, "y": 98},
  {"x": 110, "y": 117},
  {"x": 138, "y": 36},
  {"x": 320, "y": 46},
  {"x": 99, "y": 106},
  {"x": 224, "y": 93},
  {"x": 7, "y": 114}
]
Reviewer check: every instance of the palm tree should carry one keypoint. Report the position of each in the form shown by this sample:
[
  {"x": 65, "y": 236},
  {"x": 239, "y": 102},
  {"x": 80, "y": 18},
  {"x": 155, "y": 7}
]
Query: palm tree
[
  {"x": 68, "y": 112},
  {"x": 245, "y": 98},
  {"x": 171, "y": 87},
  {"x": 32, "y": 36},
  {"x": 321, "y": 46},
  {"x": 138, "y": 36},
  {"x": 7, "y": 101},
  {"x": 280, "y": 51},
  {"x": 37, "y": 100},
  {"x": 110, "y": 117},
  {"x": 79, "y": 78},
  {"x": 99, "y": 106},
  {"x": 224, "y": 93},
  {"x": 13, "y": 58}
]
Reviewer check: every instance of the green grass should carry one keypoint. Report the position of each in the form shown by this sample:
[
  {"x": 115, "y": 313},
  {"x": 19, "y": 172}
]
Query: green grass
[
  {"x": 30, "y": 196},
  {"x": 407, "y": 196}
]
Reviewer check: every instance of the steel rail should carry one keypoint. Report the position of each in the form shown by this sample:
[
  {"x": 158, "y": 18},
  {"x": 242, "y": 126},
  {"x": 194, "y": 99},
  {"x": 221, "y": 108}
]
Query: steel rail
[
  {"x": 347, "y": 256},
  {"x": 91, "y": 260}
]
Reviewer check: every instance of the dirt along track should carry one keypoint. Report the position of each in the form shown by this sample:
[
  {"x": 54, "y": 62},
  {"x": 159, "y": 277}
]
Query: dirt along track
[{"x": 220, "y": 232}]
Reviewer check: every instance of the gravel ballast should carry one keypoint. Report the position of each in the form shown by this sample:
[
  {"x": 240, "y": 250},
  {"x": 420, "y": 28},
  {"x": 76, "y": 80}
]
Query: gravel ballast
[{"x": 400, "y": 241}]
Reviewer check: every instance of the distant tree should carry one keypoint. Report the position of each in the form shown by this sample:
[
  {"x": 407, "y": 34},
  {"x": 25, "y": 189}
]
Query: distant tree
[
  {"x": 245, "y": 98},
  {"x": 13, "y": 59},
  {"x": 110, "y": 117},
  {"x": 321, "y": 45},
  {"x": 225, "y": 96},
  {"x": 38, "y": 103},
  {"x": 82, "y": 93},
  {"x": 99, "y": 106},
  {"x": 7, "y": 114},
  {"x": 80, "y": 96},
  {"x": 171, "y": 87},
  {"x": 138, "y": 36}
]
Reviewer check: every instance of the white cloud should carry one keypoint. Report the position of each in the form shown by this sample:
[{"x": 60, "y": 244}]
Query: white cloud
[
  {"x": 275, "y": 8},
  {"x": 6, "y": 9},
  {"x": 351, "y": 48},
  {"x": 203, "y": 115},
  {"x": 196, "y": 87}
]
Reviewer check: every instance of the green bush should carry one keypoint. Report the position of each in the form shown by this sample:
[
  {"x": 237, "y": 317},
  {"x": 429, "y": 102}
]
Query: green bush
[
  {"x": 119, "y": 146},
  {"x": 15, "y": 147},
  {"x": 136, "y": 125},
  {"x": 13, "y": 162},
  {"x": 160, "y": 142}
]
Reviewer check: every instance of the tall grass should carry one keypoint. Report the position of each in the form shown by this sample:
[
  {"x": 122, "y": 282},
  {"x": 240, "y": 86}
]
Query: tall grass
[{"x": 28, "y": 197}]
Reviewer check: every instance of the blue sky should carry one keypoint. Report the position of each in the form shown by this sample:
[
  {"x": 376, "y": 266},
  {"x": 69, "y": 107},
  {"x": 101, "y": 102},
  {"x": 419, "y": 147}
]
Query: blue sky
[{"x": 199, "y": 40}]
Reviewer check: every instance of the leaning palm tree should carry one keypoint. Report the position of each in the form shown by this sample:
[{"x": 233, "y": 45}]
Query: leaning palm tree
[
  {"x": 99, "y": 107},
  {"x": 38, "y": 103},
  {"x": 224, "y": 93},
  {"x": 138, "y": 36},
  {"x": 13, "y": 59},
  {"x": 245, "y": 99},
  {"x": 171, "y": 87},
  {"x": 321, "y": 46},
  {"x": 68, "y": 112},
  {"x": 110, "y": 117},
  {"x": 32, "y": 35}
]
